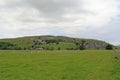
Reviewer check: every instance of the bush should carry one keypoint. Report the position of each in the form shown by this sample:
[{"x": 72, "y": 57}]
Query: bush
[
  {"x": 81, "y": 45},
  {"x": 109, "y": 47},
  {"x": 59, "y": 48},
  {"x": 8, "y": 46}
]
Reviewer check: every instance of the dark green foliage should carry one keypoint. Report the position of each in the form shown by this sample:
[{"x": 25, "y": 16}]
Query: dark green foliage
[
  {"x": 8, "y": 46},
  {"x": 59, "y": 48},
  {"x": 81, "y": 45},
  {"x": 109, "y": 47},
  {"x": 52, "y": 41}
]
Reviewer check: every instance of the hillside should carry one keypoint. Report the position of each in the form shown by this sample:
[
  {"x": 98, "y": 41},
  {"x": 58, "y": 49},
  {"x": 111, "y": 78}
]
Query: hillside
[{"x": 51, "y": 43}]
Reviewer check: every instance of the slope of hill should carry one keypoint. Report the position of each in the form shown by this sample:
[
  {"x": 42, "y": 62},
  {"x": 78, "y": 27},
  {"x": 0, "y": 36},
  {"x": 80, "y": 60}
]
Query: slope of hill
[{"x": 54, "y": 43}]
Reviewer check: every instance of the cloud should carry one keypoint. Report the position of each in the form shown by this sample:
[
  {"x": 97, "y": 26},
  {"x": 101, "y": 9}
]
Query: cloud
[{"x": 63, "y": 17}]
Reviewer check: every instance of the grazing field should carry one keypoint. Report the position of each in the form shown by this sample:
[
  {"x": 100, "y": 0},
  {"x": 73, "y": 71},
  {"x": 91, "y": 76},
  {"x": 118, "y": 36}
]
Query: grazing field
[{"x": 59, "y": 65}]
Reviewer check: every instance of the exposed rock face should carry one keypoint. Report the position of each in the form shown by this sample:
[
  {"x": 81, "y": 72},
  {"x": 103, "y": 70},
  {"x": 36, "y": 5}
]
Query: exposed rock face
[{"x": 96, "y": 45}]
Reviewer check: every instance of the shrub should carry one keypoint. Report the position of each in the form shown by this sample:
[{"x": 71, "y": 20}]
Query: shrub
[{"x": 109, "y": 47}]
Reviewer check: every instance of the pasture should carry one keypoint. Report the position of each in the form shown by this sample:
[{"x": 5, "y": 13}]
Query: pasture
[{"x": 59, "y": 65}]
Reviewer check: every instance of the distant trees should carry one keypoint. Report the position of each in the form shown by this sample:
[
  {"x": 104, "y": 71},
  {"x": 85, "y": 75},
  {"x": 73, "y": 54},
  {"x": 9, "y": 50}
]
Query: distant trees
[
  {"x": 109, "y": 47},
  {"x": 37, "y": 43},
  {"x": 52, "y": 41},
  {"x": 8, "y": 46},
  {"x": 81, "y": 45}
]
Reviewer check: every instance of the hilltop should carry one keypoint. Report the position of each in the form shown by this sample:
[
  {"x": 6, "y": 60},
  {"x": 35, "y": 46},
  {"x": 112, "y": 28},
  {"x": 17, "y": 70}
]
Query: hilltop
[{"x": 49, "y": 42}]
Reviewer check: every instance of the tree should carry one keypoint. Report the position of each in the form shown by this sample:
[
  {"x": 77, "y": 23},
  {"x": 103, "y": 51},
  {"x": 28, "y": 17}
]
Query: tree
[
  {"x": 81, "y": 45},
  {"x": 109, "y": 47},
  {"x": 59, "y": 48},
  {"x": 8, "y": 46}
]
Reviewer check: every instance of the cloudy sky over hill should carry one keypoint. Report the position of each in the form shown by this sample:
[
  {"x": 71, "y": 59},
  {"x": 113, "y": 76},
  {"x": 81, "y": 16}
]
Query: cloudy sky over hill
[{"x": 97, "y": 19}]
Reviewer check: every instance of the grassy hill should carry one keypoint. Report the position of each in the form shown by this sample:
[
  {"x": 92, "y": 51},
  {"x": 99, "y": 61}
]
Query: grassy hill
[{"x": 54, "y": 43}]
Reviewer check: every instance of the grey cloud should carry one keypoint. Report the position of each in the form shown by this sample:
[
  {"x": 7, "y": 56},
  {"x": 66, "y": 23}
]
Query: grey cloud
[
  {"x": 13, "y": 4},
  {"x": 54, "y": 8}
]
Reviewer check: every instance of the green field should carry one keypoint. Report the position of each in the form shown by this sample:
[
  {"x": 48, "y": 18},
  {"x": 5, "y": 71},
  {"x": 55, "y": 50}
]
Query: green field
[{"x": 59, "y": 65}]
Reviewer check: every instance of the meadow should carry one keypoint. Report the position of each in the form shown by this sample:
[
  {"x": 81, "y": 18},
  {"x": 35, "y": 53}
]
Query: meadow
[{"x": 59, "y": 65}]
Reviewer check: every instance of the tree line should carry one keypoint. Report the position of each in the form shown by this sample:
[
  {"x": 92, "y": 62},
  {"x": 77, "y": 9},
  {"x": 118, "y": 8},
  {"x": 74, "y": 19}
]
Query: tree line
[{"x": 8, "y": 46}]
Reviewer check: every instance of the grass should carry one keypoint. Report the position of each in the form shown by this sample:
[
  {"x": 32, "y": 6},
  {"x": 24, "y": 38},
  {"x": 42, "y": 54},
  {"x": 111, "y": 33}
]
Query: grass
[
  {"x": 21, "y": 42},
  {"x": 59, "y": 65}
]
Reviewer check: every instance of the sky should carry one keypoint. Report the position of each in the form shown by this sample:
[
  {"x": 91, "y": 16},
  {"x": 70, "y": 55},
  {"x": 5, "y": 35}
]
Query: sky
[{"x": 94, "y": 19}]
